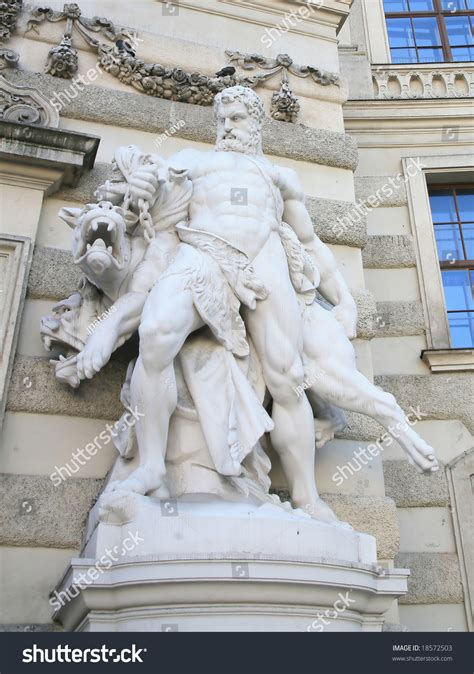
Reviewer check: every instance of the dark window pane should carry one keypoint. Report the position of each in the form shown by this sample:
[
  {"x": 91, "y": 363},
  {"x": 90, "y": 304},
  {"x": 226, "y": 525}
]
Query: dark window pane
[
  {"x": 461, "y": 327},
  {"x": 459, "y": 30},
  {"x": 468, "y": 235},
  {"x": 462, "y": 53},
  {"x": 426, "y": 55},
  {"x": 448, "y": 241},
  {"x": 400, "y": 33},
  {"x": 443, "y": 208},
  {"x": 457, "y": 290},
  {"x": 404, "y": 56},
  {"x": 426, "y": 31},
  {"x": 421, "y": 5},
  {"x": 395, "y": 6},
  {"x": 465, "y": 205}
]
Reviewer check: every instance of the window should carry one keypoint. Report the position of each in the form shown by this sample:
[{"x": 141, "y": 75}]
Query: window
[
  {"x": 452, "y": 210},
  {"x": 427, "y": 31}
]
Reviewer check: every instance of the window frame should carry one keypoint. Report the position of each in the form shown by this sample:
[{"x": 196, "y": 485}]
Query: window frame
[
  {"x": 466, "y": 264},
  {"x": 428, "y": 263},
  {"x": 439, "y": 13}
]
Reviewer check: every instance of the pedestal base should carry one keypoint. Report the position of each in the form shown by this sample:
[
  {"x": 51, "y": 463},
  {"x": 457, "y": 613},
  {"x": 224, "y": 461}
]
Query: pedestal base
[{"x": 216, "y": 566}]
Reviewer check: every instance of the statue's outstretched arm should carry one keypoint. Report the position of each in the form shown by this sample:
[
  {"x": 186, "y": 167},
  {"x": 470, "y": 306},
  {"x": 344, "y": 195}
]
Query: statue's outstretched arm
[
  {"x": 332, "y": 285},
  {"x": 121, "y": 322}
]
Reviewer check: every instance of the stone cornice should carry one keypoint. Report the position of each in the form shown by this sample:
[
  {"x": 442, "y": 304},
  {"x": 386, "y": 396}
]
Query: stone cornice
[
  {"x": 52, "y": 156},
  {"x": 444, "y": 122},
  {"x": 332, "y": 13}
]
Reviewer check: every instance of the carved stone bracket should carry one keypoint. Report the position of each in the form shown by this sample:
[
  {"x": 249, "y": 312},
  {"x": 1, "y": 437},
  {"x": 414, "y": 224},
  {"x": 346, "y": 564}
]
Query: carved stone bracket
[
  {"x": 407, "y": 82},
  {"x": 9, "y": 11},
  {"x": 25, "y": 105}
]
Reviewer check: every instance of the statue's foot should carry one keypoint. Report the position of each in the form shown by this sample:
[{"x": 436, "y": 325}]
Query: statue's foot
[
  {"x": 144, "y": 479},
  {"x": 324, "y": 431},
  {"x": 319, "y": 510}
]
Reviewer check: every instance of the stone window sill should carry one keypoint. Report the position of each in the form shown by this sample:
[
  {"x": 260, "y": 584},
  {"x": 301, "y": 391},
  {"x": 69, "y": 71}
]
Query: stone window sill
[{"x": 449, "y": 360}]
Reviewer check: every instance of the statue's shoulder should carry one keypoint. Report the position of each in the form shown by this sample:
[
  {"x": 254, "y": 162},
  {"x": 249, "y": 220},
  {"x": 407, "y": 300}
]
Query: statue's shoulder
[
  {"x": 289, "y": 182},
  {"x": 186, "y": 159}
]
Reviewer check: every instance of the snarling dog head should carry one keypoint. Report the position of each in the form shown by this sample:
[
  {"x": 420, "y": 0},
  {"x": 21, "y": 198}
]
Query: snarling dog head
[{"x": 100, "y": 242}]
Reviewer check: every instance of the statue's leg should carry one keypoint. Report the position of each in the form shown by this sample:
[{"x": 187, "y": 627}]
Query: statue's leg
[
  {"x": 168, "y": 318},
  {"x": 337, "y": 380},
  {"x": 328, "y": 419},
  {"x": 275, "y": 327}
]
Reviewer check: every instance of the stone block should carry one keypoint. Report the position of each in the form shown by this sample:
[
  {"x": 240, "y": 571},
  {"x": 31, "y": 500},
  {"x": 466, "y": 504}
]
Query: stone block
[
  {"x": 434, "y": 579},
  {"x": 388, "y": 252},
  {"x": 53, "y": 274},
  {"x": 410, "y": 489},
  {"x": 34, "y": 388},
  {"x": 327, "y": 213},
  {"x": 36, "y": 513},
  {"x": 371, "y": 186},
  {"x": 375, "y": 515},
  {"x": 399, "y": 319},
  {"x": 439, "y": 396},
  {"x": 366, "y": 310}
]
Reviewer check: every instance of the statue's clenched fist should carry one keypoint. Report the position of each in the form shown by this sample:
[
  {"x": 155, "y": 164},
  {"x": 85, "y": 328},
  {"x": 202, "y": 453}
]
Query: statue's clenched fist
[
  {"x": 95, "y": 354},
  {"x": 144, "y": 183}
]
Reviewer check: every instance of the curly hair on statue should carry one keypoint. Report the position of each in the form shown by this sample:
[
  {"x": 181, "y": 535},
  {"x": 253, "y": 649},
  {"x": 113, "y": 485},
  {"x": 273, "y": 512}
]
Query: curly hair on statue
[{"x": 245, "y": 95}]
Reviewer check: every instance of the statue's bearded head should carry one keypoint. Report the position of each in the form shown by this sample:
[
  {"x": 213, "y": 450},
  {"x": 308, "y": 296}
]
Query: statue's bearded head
[{"x": 239, "y": 114}]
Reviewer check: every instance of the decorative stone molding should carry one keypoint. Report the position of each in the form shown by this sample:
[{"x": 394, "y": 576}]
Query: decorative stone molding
[
  {"x": 281, "y": 64},
  {"x": 422, "y": 82},
  {"x": 8, "y": 58},
  {"x": 15, "y": 260},
  {"x": 173, "y": 84},
  {"x": 280, "y": 591},
  {"x": 157, "y": 80},
  {"x": 63, "y": 59},
  {"x": 285, "y": 105},
  {"x": 25, "y": 105},
  {"x": 9, "y": 11}
]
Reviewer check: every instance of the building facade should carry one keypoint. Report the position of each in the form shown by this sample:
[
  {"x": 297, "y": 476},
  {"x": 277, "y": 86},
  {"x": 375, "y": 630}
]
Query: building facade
[{"x": 371, "y": 103}]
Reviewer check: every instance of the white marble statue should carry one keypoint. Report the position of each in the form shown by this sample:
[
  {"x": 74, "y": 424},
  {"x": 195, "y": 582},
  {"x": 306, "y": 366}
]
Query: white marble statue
[{"x": 212, "y": 257}]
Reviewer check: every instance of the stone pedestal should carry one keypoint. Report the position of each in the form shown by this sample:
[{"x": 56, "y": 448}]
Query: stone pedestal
[{"x": 200, "y": 564}]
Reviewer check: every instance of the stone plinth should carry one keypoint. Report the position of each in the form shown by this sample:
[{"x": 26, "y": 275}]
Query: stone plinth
[{"x": 200, "y": 564}]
